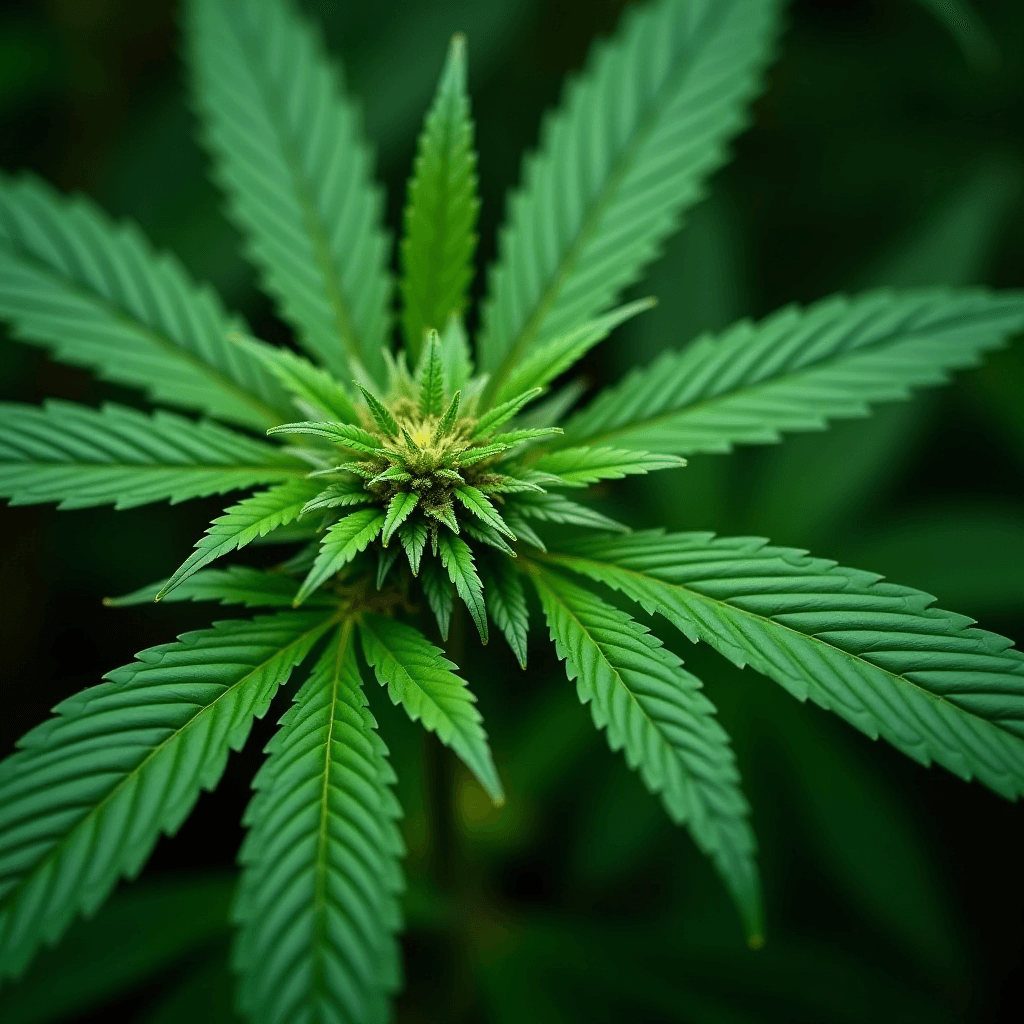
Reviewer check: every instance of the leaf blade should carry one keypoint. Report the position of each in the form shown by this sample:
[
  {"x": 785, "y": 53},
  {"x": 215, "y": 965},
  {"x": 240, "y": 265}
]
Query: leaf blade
[
  {"x": 648, "y": 149},
  {"x": 442, "y": 207},
  {"x": 81, "y": 457},
  {"x": 85, "y": 799},
  {"x": 653, "y": 710},
  {"x": 796, "y": 369},
  {"x": 95, "y": 294},
  {"x": 290, "y": 157},
  {"x": 420, "y": 678},
  {"x": 321, "y": 860},
  {"x": 875, "y": 653}
]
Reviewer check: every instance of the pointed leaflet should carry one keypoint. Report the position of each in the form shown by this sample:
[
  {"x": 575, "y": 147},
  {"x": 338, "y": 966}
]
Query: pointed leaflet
[
  {"x": 317, "y": 903},
  {"x": 314, "y": 386},
  {"x": 337, "y": 495},
  {"x": 654, "y": 712},
  {"x": 875, "y": 653},
  {"x": 238, "y": 584},
  {"x": 506, "y": 603},
  {"x": 431, "y": 377},
  {"x": 447, "y": 421},
  {"x": 250, "y": 518},
  {"x": 342, "y": 542},
  {"x": 478, "y": 504},
  {"x": 414, "y": 539},
  {"x": 630, "y": 149},
  {"x": 381, "y": 414},
  {"x": 491, "y": 420},
  {"x": 440, "y": 594},
  {"x": 455, "y": 355},
  {"x": 440, "y": 217},
  {"x": 344, "y": 434},
  {"x": 580, "y": 466},
  {"x": 95, "y": 294},
  {"x": 797, "y": 369},
  {"x": 419, "y": 677},
  {"x": 553, "y": 358},
  {"x": 457, "y": 558},
  {"x": 81, "y": 457},
  {"x": 290, "y": 156},
  {"x": 398, "y": 511},
  {"x": 85, "y": 799},
  {"x": 555, "y": 508}
]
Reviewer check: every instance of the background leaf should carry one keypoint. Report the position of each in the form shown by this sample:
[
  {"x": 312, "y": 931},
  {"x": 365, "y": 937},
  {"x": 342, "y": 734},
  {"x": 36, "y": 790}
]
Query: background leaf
[{"x": 291, "y": 159}]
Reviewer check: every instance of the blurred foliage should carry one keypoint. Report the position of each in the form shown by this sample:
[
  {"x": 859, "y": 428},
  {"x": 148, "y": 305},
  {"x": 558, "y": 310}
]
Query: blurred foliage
[{"x": 888, "y": 149}]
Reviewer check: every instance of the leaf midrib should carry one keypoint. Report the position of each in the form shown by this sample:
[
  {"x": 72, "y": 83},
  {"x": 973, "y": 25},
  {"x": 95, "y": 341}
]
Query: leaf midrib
[
  {"x": 712, "y": 813},
  {"x": 12, "y": 894},
  {"x": 160, "y": 340},
  {"x": 305, "y": 194},
  {"x": 768, "y": 621},
  {"x": 738, "y": 394},
  {"x": 604, "y": 198}
]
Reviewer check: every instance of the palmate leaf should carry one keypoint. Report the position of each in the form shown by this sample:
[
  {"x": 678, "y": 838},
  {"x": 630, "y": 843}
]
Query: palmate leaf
[
  {"x": 580, "y": 466},
  {"x": 317, "y": 901},
  {"x": 85, "y": 799},
  {"x": 82, "y": 457},
  {"x": 875, "y": 653},
  {"x": 797, "y": 369},
  {"x": 95, "y": 294},
  {"x": 506, "y": 603},
  {"x": 238, "y": 584},
  {"x": 654, "y": 711},
  {"x": 252, "y": 517},
  {"x": 638, "y": 134},
  {"x": 342, "y": 542},
  {"x": 290, "y": 157},
  {"x": 440, "y": 217},
  {"x": 420, "y": 678}
]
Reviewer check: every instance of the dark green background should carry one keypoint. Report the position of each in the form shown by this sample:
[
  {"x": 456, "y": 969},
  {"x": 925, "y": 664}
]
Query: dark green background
[{"x": 888, "y": 148}]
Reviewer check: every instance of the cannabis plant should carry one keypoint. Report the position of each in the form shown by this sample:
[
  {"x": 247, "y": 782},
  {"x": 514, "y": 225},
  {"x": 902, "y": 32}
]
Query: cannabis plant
[{"x": 407, "y": 474}]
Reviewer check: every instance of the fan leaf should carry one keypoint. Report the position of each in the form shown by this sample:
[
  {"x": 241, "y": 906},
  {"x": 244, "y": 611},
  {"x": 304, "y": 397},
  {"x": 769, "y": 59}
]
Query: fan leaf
[
  {"x": 506, "y": 603},
  {"x": 797, "y": 369},
  {"x": 343, "y": 541},
  {"x": 238, "y": 584},
  {"x": 95, "y": 294},
  {"x": 291, "y": 159},
  {"x": 877, "y": 654},
  {"x": 440, "y": 217},
  {"x": 81, "y": 457},
  {"x": 457, "y": 559},
  {"x": 580, "y": 466},
  {"x": 317, "y": 903},
  {"x": 629, "y": 151},
  {"x": 92, "y": 789},
  {"x": 652, "y": 709},
  {"x": 420, "y": 678},
  {"x": 242, "y": 523}
]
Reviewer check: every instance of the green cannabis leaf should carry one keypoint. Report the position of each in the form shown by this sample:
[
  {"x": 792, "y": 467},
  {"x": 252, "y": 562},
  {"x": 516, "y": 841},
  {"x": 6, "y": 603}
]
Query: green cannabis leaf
[{"x": 411, "y": 485}]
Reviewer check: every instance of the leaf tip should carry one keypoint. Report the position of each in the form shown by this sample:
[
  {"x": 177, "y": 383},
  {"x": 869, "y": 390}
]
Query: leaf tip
[{"x": 755, "y": 941}]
